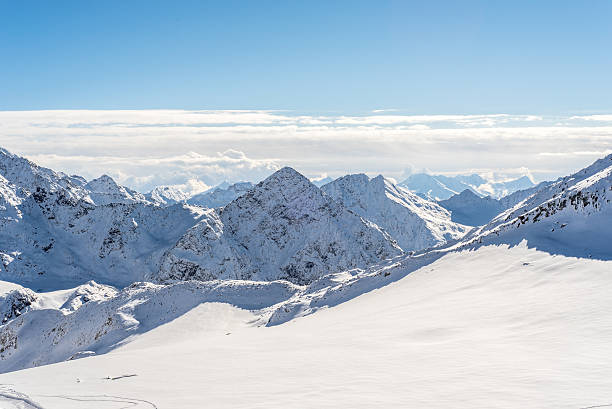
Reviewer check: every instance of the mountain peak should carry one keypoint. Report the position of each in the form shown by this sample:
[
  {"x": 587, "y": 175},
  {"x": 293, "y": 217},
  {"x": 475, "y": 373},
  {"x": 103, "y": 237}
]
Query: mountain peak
[
  {"x": 468, "y": 194},
  {"x": 102, "y": 183},
  {"x": 286, "y": 172},
  {"x": 286, "y": 178}
]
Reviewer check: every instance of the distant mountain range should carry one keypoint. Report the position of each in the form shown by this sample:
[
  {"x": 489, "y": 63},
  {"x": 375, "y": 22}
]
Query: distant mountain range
[{"x": 440, "y": 187}]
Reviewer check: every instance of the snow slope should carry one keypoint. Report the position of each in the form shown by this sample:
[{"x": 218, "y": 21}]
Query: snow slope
[
  {"x": 221, "y": 195},
  {"x": 283, "y": 228},
  {"x": 94, "y": 319},
  {"x": 493, "y": 327},
  {"x": 570, "y": 216},
  {"x": 415, "y": 223}
]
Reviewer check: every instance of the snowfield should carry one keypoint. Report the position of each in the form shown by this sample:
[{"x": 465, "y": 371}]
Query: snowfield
[{"x": 493, "y": 327}]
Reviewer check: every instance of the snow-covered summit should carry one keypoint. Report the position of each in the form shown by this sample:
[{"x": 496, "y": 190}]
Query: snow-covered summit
[
  {"x": 472, "y": 210},
  {"x": 105, "y": 190},
  {"x": 40, "y": 181},
  {"x": 167, "y": 195},
  {"x": 220, "y": 195},
  {"x": 414, "y": 222},
  {"x": 283, "y": 228}
]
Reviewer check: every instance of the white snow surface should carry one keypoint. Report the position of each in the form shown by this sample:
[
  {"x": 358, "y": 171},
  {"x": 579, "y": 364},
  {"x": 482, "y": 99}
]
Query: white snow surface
[
  {"x": 415, "y": 223},
  {"x": 167, "y": 195},
  {"x": 503, "y": 327},
  {"x": 221, "y": 195},
  {"x": 94, "y": 318}
]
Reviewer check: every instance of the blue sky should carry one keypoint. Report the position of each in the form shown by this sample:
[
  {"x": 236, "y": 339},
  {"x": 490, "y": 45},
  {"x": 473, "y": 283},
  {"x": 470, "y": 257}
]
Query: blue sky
[
  {"x": 147, "y": 91},
  {"x": 428, "y": 57}
]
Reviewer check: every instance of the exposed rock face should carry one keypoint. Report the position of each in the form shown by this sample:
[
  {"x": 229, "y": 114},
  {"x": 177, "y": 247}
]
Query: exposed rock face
[
  {"x": 16, "y": 302},
  {"x": 283, "y": 228}
]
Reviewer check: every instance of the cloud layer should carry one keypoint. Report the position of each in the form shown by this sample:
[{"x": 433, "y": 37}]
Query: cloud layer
[{"x": 151, "y": 147}]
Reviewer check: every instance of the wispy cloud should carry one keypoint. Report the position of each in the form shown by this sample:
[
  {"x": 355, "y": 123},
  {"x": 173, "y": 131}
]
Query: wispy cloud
[
  {"x": 600, "y": 118},
  {"x": 578, "y": 153}
]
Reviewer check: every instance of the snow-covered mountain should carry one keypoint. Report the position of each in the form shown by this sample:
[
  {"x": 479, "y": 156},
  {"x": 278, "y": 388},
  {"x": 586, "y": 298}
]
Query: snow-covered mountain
[
  {"x": 220, "y": 195},
  {"x": 104, "y": 190},
  {"x": 440, "y": 187},
  {"x": 470, "y": 209},
  {"x": 57, "y": 231},
  {"x": 569, "y": 216},
  {"x": 415, "y": 223},
  {"x": 167, "y": 195},
  {"x": 283, "y": 228}
]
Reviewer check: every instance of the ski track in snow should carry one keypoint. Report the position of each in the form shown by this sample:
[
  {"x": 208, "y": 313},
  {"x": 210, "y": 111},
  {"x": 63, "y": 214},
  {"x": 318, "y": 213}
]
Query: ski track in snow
[
  {"x": 133, "y": 403},
  {"x": 16, "y": 399},
  {"x": 20, "y": 400}
]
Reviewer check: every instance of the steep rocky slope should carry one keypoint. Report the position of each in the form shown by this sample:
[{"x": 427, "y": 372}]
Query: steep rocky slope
[
  {"x": 58, "y": 231},
  {"x": 283, "y": 228},
  {"x": 414, "y": 222}
]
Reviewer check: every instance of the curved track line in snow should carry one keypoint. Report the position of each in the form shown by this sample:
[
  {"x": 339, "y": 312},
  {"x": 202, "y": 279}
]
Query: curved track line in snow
[
  {"x": 133, "y": 403},
  {"x": 10, "y": 394}
]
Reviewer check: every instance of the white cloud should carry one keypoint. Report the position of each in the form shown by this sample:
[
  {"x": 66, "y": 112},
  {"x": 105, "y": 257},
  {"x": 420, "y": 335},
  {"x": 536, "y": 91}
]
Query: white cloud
[
  {"x": 152, "y": 147},
  {"x": 193, "y": 171},
  {"x": 578, "y": 153},
  {"x": 601, "y": 118}
]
